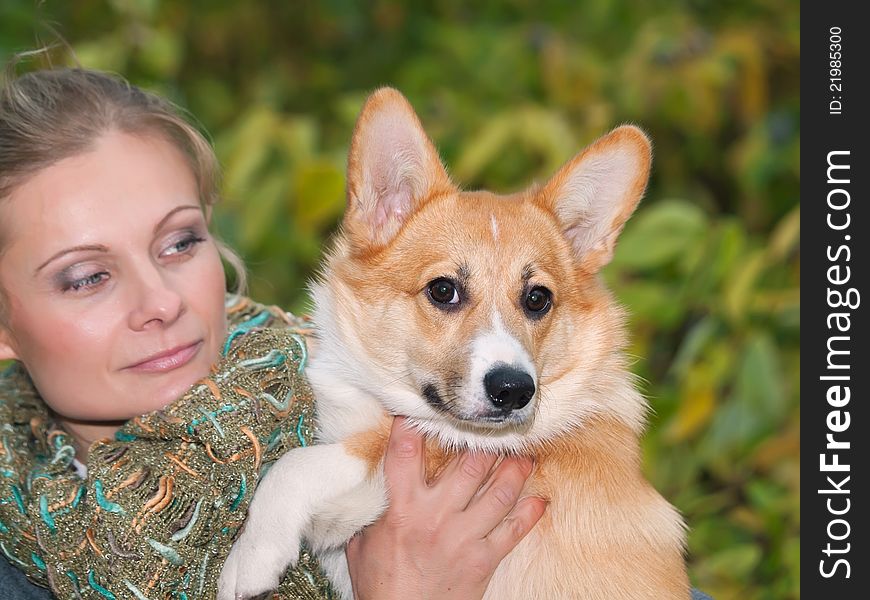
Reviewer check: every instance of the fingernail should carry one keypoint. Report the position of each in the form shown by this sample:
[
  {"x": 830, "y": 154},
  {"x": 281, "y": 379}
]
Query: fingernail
[{"x": 406, "y": 448}]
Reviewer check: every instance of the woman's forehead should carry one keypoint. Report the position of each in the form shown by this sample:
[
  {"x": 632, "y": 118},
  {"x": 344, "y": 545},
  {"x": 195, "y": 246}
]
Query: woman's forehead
[{"x": 123, "y": 185}]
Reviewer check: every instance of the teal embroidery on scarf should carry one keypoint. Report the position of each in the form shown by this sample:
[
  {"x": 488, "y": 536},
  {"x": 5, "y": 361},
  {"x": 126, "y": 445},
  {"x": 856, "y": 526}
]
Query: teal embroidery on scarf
[
  {"x": 245, "y": 327},
  {"x": 182, "y": 533},
  {"x": 242, "y": 489},
  {"x": 104, "y": 503},
  {"x": 274, "y": 439},
  {"x": 202, "y": 576},
  {"x": 7, "y": 473},
  {"x": 166, "y": 552},
  {"x": 303, "y": 349},
  {"x": 75, "y": 581},
  {"x": 265, "y": 467},
  {"x": 299, "y": 435},
  {"x": 103, "y": 591},
  {"x": 275, "y": 358},
  {"x": 37, "y": 560},
  {"x": 210, "y": 416},
  {"x": 46, "y": 515},
  {"x": 135, "y": 590},
  {"x": 12, "y": 557},
  {"x": 16, "y": 493},
  {"x": 3, "y": 528},
  {"x": 79, "y": 495},
  {"x": 122, "y": 436},
  {"x": 280, "y": 406},
  {"x": 65, "y": 453}
]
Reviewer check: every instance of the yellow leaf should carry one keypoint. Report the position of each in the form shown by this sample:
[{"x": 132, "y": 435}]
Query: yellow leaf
[
  {"x": 738, "y": 290},
  {"x": 785, "y": 236},
  {"x": 696, "y": 407}
]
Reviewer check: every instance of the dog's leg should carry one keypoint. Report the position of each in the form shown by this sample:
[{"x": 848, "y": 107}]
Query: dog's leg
[
  {"x": 337, "y": 521},
  {"x": 296, "y": 488},
  {"x": 334, "y": 565}
]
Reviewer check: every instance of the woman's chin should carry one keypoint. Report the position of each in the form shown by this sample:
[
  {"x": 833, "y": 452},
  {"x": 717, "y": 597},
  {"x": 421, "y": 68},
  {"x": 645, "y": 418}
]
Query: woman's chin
[{"x": 169, "y": 391}]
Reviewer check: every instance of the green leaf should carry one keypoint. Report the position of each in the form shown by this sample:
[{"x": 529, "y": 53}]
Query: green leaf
[
  {"x": 651, "y": 302},
  {"x": 248, "y": 152},
  {"x": 786, "y": 236},
  {"x": 161, "y": 52},
  {"x": 659, "y": 235},
  {"x": 757, "y": 404},
  {"x": 318, "y": 194},
  {"x": 736, "y": 562}
]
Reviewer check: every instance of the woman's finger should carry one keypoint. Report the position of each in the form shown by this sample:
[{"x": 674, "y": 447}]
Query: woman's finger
[
  {"x": 462, "y": 478},
  {"x": 507, "y": 534},
  {"x": 498, "y": 497},
  {"x": 404, "y": 466}
]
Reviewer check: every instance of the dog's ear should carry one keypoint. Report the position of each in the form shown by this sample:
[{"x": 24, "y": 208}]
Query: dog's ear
[
  {"x": 593, "y": 194},
  {"x": 393, "y": 168}
]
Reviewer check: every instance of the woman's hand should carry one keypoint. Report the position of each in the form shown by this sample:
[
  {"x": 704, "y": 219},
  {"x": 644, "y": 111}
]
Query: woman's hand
[{"x": 446, "y": 539}]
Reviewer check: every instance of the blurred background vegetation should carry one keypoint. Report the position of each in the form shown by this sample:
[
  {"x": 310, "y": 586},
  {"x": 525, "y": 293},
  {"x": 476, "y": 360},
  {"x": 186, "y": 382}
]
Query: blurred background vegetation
[{"x": 709, "y": 266}]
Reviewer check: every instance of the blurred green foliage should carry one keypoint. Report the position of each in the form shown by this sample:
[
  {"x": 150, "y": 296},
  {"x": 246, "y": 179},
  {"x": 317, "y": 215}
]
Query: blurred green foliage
[{"x": 709, "y": 266}]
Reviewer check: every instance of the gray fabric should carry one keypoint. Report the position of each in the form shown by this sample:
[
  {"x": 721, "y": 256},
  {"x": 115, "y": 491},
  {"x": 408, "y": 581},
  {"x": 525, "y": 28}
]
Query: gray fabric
[
  {"x": 15, "y": 586},
  {"x": 698, "y": 595}
]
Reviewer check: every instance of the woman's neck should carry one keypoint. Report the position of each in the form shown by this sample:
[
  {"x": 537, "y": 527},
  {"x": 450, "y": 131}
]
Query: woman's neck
[{"x": 85, "y": 433}]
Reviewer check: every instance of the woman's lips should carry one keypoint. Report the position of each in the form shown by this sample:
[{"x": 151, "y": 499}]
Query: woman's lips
[{"x": 169, "y": 360}]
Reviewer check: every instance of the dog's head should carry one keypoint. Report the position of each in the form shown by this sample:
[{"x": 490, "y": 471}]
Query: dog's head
[{"x": 481, "y": 316}]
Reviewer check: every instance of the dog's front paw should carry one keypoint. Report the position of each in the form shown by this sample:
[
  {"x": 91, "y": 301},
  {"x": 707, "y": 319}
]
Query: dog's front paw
[{"x": 255, "y": 567}]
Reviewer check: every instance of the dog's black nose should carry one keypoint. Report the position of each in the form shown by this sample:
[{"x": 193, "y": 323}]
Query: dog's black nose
[{"x": 509, "y": 388}]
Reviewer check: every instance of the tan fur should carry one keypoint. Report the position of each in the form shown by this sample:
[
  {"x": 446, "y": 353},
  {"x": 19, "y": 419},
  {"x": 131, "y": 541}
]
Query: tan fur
[
  {"x": 371, "y": 445},
  {"x": 606, "y": 533},
  {"x": 605, "y": 528}
]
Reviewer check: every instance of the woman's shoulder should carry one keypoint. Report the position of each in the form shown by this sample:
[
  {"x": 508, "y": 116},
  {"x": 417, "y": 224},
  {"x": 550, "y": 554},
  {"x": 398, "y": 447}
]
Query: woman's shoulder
[
  {"x": 244, "y": 314},
  {"x": 251, "y": 323}
]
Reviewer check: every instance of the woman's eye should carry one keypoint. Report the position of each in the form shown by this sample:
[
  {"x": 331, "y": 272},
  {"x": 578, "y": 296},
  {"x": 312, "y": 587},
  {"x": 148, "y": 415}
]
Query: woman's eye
[
  {"x": 443, "y": 292},
  {"x": 182, "y": 246},
  {"x": 90, "y": 281}
]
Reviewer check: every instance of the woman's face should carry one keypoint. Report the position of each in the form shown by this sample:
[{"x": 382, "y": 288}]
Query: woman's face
[{"x": 114, "y": 287}]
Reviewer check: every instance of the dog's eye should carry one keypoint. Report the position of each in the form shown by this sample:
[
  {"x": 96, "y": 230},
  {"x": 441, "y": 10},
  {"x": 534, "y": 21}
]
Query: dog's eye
[
  {"x": 538, "y": 300},
  {"x": 443, "y": 291}
]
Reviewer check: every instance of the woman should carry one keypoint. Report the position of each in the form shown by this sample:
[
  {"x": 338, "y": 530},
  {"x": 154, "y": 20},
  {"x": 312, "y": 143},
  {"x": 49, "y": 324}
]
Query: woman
[{"x": 141, "y": 410}]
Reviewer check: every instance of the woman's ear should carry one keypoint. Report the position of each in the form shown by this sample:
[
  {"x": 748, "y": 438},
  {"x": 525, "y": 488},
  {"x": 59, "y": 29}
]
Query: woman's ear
[{"x": 7, "y": 348}]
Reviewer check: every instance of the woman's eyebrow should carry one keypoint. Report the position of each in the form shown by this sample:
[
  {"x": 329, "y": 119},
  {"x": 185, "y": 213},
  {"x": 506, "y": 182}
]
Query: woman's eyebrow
[
  {"x": 168, "y": 215},
  {"x": 101, "y": 248},
  {"x": 81, "y": 248}
]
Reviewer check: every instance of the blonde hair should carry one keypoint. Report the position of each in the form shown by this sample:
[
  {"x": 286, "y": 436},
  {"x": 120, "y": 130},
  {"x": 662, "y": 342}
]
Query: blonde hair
[{"x": 52, "y": 114}]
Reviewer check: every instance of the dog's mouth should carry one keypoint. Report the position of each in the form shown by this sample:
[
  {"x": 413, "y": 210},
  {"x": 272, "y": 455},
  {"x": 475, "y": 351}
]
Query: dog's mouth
[{"x": 487, "y": 416}]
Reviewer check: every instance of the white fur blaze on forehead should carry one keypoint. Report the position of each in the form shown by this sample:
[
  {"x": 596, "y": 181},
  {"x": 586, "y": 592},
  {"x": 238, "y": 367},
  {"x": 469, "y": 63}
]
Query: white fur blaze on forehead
[
  {"x": 392, "y": 168},
  {"x": 593, "y": 195},
  {"x": 494, "y": 226}
]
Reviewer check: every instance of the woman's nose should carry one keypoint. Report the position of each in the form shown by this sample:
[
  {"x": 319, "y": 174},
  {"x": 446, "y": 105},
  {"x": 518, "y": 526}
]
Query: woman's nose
[{"x": 156, "y": 301}]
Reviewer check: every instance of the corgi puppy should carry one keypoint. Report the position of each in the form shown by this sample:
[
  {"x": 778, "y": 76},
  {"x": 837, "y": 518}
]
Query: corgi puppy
[{"x": 482, "y": 318}]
